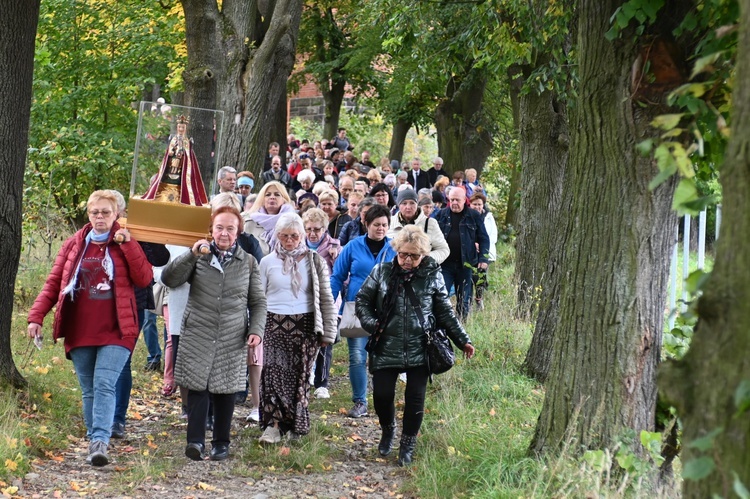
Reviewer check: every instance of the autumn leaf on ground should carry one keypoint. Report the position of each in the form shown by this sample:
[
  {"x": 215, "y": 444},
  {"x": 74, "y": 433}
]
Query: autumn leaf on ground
[
  {"x": 136, "y": 415},
  {"x": 50, "y": 455},
  {"x": 354, "y": 436},
  {"x": 42, "y": 370},
  {"x": 47, "y": 397},
  {"x": 492, "y": 411},
  {"x": 11, "y": 465},
  {"x": 151, "y": 444},
  {"x": 205, "y": 486},
  {"x": 284, "y": 451},
  {"x": 342, "y": 410},
  {"x": 9, "y": 491}
]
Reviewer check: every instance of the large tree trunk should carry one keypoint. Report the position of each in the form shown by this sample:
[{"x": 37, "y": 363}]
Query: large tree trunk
[
  {"x": 704, "y": 385},
  {"x": 615, "y": 243},
  {"x": 18, "y": 26},
  {"x": 515, "y": 79},
  {"x": 462, "y": 140},
  {"x": 333, "y": 97},
  {"x": 398, "y": 139},
  {"x": 239, "y": 60},
  {"x": 544, "y": 155},
  {"x": 280, "y": 119}
]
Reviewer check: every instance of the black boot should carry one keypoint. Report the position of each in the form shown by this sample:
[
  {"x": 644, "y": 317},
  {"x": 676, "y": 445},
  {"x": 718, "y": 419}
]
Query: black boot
[
  {"x": 386, "y": 439},
  {"x": 406, "y": 450}
]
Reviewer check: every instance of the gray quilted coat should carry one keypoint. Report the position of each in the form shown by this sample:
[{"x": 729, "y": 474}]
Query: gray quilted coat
[{"x": 215, "y": 327}]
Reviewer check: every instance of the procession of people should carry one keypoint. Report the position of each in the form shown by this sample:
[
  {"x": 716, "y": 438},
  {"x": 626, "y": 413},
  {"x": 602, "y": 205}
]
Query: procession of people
[{"x": 252, "y": 310}]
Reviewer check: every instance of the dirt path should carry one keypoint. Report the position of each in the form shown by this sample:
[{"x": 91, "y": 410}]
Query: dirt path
[{"x": 150, "y": 462}]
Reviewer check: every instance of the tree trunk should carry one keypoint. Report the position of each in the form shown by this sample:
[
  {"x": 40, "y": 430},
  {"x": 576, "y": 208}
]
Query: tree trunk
[
  {"x": 544, "y": 155},
  {"x": 462, "y": 141},
  {"x": 333, "y": 99},
  {"x": 615, "y": 243},
  {"x": 18, "y": 26},
  {"x": 398, "y": 139},
  {"x": 279, "y": 129},
  {"x": 239, "y": 60},
  {"x": 516, "y": 79},
  {"x": 705, "y": 385}
]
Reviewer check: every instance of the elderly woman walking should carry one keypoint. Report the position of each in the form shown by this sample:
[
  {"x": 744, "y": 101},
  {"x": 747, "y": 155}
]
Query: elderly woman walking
[
  {"x": 301, "y": 318},
  {"x": 385, "y": 308},
  {"x": 224, "y": 314},
  {"x": 92, "y": 284}
]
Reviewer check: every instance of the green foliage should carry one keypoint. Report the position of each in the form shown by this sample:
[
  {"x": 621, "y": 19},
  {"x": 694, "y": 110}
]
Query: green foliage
[
  {"x": 642, "y": 11},
  {"x": 699, "y": 468},
  {"x": 93, "y": 59}
]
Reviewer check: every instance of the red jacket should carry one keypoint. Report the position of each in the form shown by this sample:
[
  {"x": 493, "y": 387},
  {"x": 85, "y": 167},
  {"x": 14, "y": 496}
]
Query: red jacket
[{"x": 131, "y": 269}]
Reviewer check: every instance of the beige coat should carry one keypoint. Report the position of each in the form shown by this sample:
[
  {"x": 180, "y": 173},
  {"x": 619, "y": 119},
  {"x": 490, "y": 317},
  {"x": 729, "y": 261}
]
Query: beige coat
[{"x": 439, "y": 249}]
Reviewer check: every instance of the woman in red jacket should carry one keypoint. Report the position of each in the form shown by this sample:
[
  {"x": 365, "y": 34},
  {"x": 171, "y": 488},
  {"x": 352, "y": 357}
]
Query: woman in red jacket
[{"x": 91, "y": 283}]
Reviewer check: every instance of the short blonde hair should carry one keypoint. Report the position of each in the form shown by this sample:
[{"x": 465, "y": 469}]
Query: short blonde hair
[
  {"x": 328, "y": 194},
  {"x": 320, "y": 187},
  {"x": 278, "y": 186},
  {"x": 356, "y": 195},
  {"x": 412, "y": 234},
  {"x": 225, "y": 199},
  {"x": 373, "y": 174},
  {"x": 442, "y": 181},
  {"x": 315, "y": 215},
  {"x": 105, "y": 195},
  {"x": 121, "y": 205}
]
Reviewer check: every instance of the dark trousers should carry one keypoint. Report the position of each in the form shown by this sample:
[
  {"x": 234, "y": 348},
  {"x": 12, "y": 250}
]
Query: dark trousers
[
  {"x": 197, "y": 409},
  {"x": 323, "y": 366},
  {"x": 384, "y": 392},
  {"x": 458, "y": 275}
]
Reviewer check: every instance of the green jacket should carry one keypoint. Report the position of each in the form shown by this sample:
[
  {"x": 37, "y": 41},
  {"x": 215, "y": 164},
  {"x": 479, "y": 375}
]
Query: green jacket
[{"x": 402, "y": 343}]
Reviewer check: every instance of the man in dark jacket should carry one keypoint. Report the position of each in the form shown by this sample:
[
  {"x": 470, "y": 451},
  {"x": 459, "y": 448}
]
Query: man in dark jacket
[
  {"x": 436, "y": 171},
  {"x": 277, "y": 173},
  {"x": 464, "y": 231},
  {"x": 417, "y": 178}
]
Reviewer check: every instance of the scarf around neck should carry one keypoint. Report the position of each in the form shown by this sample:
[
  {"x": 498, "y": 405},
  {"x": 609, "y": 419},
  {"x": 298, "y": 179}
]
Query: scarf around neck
[
  {"x": 268, "y": 221},
  {"x": 290, "y": 265}
]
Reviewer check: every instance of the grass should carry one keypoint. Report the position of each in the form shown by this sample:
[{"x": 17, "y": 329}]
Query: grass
[{"x": 479, "y": 419}]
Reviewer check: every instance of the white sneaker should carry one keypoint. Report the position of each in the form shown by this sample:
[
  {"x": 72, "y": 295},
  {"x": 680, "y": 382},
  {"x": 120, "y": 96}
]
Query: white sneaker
[
  {"x": 402, "y": 377},
  {"x": 272, "y": 435},
  {"x": 322, "y": 393},
  {"x": 254, "y": 416}
]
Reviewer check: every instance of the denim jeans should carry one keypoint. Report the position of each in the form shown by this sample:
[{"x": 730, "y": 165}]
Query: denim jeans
[
  {"x": 150, "y": 335},
  {"x": 458, "y": 275},
  {"x": 358, "y": 368},
  {"x": 123, "y": 388},
  {"x": 98, "y": 369}
]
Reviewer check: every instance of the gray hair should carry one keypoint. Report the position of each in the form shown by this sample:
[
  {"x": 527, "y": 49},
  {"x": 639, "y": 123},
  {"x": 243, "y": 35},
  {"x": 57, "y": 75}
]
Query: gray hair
[
  {"x": 224, "y": 170},
  {"x": 306, "y": 175},
  {"x": 366, "y": 203},
  {"x": 390, "y": 180},
  {"x": 424, "y": 192},
  {"x": 290, "y": 220},
  {"x": 438, "y": 159},
  {"x": 402, "y": 174},
  {"x": 121, "y": 205}
]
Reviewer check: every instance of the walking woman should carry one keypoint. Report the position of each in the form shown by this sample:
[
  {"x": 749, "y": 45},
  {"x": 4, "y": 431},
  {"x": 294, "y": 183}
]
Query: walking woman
[
  {"x": 384, "y": 306},
  {"x": 225, "y": 312},
  {"x": 355, "y": 263},
  {"x": 301, "y": 318},
  {"x": 91, "y": 283}
]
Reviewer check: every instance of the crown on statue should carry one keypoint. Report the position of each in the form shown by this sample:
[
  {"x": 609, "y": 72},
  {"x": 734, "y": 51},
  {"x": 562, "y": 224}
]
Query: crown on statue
[{"x": 183, "y": 120}]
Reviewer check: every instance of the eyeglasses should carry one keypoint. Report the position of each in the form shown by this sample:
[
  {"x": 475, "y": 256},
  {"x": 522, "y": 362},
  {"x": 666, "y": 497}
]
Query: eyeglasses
[
  {"x": 96, "y": 213},
  {"x": 409, "y": 256},
  {"x": 314, "y": 230},
  {"x": 293, "y": 237}
]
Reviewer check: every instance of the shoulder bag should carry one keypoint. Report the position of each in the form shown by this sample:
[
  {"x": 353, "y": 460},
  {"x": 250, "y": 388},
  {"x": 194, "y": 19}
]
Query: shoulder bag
[{"x": 439, "y": 351}]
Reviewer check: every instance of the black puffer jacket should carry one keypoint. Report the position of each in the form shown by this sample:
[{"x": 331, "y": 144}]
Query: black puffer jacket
[{"x": 402, "y": 343}]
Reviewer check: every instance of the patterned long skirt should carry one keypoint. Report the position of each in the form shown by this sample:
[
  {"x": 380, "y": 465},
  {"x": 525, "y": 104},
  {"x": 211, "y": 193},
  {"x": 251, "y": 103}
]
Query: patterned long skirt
[{"x": 290, "y": 346}]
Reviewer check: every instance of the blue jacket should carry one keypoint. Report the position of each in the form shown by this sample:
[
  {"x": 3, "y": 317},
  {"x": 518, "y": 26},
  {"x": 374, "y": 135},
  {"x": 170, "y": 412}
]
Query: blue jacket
[
  {"x": 472, "y": 231},
  {"x": 355, "y": 263},
  {"x": 350, "y": 231}
]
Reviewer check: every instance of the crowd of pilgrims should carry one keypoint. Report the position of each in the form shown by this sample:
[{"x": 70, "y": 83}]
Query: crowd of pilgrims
[{"x": 252, "y": 314}]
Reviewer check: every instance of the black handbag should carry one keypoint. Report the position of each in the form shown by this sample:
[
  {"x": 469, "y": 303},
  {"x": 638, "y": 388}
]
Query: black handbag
[{"x": 440, "y": 354}]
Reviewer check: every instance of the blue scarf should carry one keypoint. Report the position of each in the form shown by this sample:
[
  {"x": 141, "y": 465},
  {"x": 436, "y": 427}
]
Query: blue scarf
[{"x": 107, "y": 264}]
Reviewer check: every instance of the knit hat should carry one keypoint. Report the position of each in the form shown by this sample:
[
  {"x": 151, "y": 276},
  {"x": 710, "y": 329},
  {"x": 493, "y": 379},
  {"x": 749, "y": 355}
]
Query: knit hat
[{"x": 407, "y": 195}]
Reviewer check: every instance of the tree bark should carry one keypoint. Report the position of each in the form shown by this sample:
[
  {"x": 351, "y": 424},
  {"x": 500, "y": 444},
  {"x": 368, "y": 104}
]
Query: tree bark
[
  {"x": 18, "y": 25},
  {"x": 279, "y": 124},
  {"x": 239, "y": 60},
  {"x": 544, "y": 155},
  {"x": 703, "y": 384},
  {"x": 398, "y": 139},
  {"x": 614, "y": 256},
  {"x": 333, "y": 97},
  {"x": 515, "y": 79},
  {"x": 462, "y": 140}
]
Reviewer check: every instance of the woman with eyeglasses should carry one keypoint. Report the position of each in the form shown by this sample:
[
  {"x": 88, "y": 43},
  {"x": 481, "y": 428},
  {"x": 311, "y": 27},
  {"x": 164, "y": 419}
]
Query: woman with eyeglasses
[
  {"x": 385, "y": 309},
  {"x": 224, "y": 315},
  {"x": 355, "y": 263},
  {"x": 92, "y": 285},
  {"x": 301, "y": 319},
  {"x": 319, "y": 240}
]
